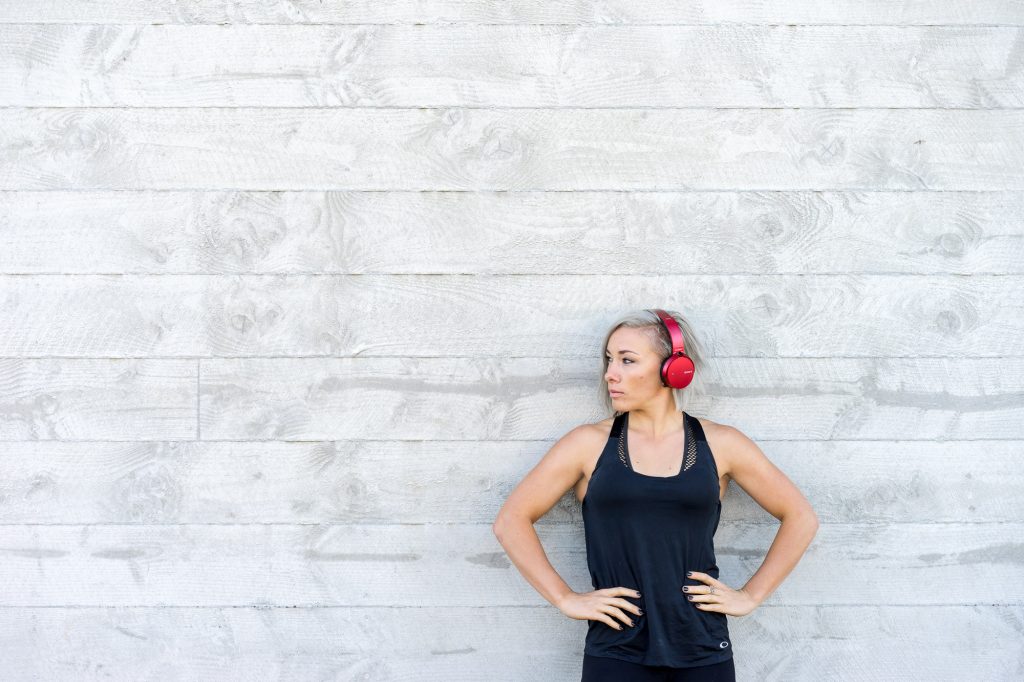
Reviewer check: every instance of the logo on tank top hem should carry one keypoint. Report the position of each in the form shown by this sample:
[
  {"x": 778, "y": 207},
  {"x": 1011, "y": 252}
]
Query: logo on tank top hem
[{"x": 723, "y": 645}]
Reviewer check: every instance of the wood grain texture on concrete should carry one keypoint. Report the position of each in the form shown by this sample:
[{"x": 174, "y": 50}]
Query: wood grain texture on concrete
[{"x": 293, "y": 293}]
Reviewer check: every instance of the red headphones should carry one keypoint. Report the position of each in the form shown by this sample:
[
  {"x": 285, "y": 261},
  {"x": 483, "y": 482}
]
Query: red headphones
[{"x": 677, "y": 369}]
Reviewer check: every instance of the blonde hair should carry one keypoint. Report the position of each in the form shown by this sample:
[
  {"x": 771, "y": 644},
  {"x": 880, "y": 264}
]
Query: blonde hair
[{"x": 649, "y": 321}]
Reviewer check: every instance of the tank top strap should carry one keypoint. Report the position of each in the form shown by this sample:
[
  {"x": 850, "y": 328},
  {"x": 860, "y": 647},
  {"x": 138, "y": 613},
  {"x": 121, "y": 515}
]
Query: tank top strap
[
  {"x": 620, "y": 419},
  {"x": 695, "y": 428},
  {"x": 611, "y": 448},
  {"x": 702, "y": 445}
]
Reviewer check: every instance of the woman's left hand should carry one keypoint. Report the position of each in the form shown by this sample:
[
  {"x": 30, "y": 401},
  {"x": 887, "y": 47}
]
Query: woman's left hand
[{"x": 724, "y": 599}]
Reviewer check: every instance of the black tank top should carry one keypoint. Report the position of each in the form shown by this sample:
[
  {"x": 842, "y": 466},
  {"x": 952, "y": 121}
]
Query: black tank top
[{"x": 645, "y": 532}]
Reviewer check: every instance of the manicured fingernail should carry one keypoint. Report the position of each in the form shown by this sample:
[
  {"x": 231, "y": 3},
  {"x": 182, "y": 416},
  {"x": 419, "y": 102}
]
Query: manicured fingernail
[
  {"x": 690, "y": 597},
  {"x": 689, "y": 573}
]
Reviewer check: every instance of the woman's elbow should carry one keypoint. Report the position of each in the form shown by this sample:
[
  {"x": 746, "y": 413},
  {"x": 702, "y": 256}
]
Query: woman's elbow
[
  {"x": 505, "y": 519},
  {"x": 500, "y": 523}
]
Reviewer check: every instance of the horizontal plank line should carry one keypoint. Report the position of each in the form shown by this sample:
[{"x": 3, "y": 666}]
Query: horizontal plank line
[
  {"x": 513, "y": 191},
  {"x": 470, "y": 107},
  {"x": 549, "y": 525},
  {"x": 318, "y": 441},
  {"x": 532, "y": 275},
  {"x": 489, "y": 357},
  {"x": 497, "y": 190},
  {"x": 232, "y": 273},
  {"x": 476, "y": 23},
  {"x": 545, "y": 607},
  {"x": 107, "y": 441}
]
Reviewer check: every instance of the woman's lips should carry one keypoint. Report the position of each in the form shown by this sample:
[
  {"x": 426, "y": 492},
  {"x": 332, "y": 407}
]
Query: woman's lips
[{"x": 614, "y": 394}]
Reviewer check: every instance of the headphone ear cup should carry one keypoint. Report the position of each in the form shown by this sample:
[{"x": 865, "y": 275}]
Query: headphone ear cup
[{"x": 677, "y": 371}]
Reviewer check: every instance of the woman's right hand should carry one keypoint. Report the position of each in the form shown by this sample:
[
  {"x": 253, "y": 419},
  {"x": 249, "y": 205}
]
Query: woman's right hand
[{"x": 601, "y": 605}]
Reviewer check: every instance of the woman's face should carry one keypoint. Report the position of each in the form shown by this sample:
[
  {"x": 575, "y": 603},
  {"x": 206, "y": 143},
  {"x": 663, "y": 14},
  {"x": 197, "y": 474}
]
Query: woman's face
[{"x": 632, "y": 368}]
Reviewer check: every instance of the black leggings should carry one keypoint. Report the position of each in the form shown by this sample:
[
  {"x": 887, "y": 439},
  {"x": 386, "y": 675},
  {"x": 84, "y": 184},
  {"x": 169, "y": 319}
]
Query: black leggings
[{"x": 602, "y": 669}]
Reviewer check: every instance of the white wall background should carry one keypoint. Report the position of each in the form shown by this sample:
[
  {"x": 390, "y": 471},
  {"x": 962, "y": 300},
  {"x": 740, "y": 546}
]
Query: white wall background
[{"x": 294, "y": 293}]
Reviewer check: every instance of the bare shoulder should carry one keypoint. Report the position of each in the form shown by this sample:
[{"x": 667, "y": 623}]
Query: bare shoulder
[
  {"x": 579, "y": 442},
  {"x": 589, "y": 440},
  {"x": 604, "y": 426},
  {"x": 746, "y": 464},
  {"x": 589, "y": 434},
  {"x": 734, "y": 451},
  {"x": 726, "y": 443},
  {"x": 567, "y": 464}
]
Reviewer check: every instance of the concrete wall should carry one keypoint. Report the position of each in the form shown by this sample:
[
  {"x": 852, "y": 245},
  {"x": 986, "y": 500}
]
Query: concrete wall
[{"x": 292, "y": 294}]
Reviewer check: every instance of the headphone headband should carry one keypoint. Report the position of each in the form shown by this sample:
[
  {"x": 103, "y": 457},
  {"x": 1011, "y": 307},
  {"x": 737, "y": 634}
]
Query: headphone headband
[
  {"x": 677, "y": 369},
  {"x": 674, "y": 332}
]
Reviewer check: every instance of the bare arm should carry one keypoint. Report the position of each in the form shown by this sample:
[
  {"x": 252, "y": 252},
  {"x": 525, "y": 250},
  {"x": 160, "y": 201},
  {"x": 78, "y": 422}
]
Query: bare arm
[
  {"x": 558, "y": 471},
  {"x": 534, "y": 497},
  {"x": 771, "y": 489}
]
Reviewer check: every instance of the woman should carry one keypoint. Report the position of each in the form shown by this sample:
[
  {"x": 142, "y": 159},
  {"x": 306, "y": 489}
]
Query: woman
[{"x": 651, "y": 480}]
